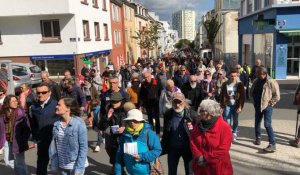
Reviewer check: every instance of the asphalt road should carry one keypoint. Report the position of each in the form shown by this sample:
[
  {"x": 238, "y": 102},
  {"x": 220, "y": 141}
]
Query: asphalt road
[{"x": 284, "y": 110}]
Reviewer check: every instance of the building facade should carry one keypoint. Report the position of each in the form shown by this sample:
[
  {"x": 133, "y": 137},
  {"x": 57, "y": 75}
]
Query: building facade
[
  {"x": 129, "y": 23},
  {"x": 226, "y": 41},
  {"x": 56, "y": 34},
  {"x": 270, "y": 30},
  {"x": 184, "y": 22},
  {"x": 118, "y": 54}
]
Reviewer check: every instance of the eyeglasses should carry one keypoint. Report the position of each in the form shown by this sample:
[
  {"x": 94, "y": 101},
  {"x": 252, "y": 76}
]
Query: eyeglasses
[
  {"x": 202, "y": 111},
  {"x": 133, "y": 121},
  {"x": 113, "y": 82},
  {"x": 206, "y": 74},
  {"x": 42, "y": 92},
  {"x": 13, "y": 101}
]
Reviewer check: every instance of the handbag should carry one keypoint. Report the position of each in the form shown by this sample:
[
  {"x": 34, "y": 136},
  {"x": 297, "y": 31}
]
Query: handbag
[
  {"x": 156, "y": 167},
  {"x": 297, "y": 96}
]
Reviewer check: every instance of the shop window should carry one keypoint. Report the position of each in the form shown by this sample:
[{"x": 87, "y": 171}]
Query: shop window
[
  {"x": 95, "y": 4},
  {"x": 296, "y": 52},
  {"x": 296, "y": 39},
  {"x": 290, "y": 52},
  {"x": 84, "y": 2},
  {"x": 104, "y": 5},
  {"x": 105, "y": 32},
  {"x": 50, "y": 31},
  {"x": 97, "y": 31},
  {"x": 86, "y": 30}
]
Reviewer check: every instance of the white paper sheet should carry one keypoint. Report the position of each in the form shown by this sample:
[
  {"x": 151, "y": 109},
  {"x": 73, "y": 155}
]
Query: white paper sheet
[{"x": 130, "y": 148}]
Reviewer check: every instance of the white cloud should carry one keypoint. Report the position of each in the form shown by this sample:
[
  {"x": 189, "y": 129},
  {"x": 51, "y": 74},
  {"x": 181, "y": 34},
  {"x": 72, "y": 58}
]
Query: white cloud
[{"x": 165, "y": 8}]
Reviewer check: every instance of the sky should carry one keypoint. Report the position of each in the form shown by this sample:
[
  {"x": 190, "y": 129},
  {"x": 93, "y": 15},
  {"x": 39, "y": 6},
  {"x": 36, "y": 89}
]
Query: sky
[{"x": 165, "y": 8}]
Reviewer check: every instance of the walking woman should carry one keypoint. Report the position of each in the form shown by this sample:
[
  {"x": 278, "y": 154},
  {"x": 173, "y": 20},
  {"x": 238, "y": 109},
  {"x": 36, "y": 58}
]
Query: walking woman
[
  {"x": 210, "y": 141},
  {"x": 14, "y": 134},
  {"x": 69, "y": 146},
  {"x": 147, "y": 145}
]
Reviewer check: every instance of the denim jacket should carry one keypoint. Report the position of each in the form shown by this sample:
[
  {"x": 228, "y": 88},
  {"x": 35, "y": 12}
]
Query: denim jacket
[{"x": 77, "y": 144}]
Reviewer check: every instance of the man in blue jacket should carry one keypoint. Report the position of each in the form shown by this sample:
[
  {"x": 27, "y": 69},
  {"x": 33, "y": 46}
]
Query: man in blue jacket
[{"x": 43, "y": 116}]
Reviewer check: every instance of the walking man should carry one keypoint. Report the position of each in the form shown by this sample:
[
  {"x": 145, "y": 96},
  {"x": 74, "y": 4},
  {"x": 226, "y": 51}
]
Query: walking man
[
  {"x": 265, "y": 93},
  {"x": 43, "y": 115}
]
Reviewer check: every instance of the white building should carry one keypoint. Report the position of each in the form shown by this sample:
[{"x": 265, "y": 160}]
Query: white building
[
  {"x": 168, "y": 38},
  {"x": 184, "y": 22},
  {"x": 55, "y": 34}
]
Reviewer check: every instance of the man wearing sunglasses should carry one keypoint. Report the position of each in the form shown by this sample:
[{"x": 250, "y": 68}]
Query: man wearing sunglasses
[{"x": 43, "y": 116}]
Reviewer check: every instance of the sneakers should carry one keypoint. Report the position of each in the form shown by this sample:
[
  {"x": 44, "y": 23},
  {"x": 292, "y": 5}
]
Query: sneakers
[
  {"x": 257, "y": 141},
  {"x": 234, "y": 137},
  {"x": 270, "y": 148},
  {"x": 1, "y": 151},
  {"x": 97, "y": 149},
  {"x": 295, "y": 143}
]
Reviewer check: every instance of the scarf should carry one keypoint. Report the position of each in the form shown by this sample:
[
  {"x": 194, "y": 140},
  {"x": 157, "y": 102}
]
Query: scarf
[
  {"x": 134, "y": 131},
  {"x": 205, "y": 125},
  {"x": 9, "y": 120}
]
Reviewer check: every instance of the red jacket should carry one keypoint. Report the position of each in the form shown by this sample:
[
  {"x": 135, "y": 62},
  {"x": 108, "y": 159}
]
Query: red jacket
[{"x": 214, "y": 146}]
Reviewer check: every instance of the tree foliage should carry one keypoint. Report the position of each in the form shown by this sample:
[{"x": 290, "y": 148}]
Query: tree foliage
[
  {"x": 212, "y": 27},
  {"x": 147, "y": 37},
  {"x": 182, "y": 43}
]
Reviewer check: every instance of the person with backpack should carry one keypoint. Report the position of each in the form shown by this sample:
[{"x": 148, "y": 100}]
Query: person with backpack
[
  {"x": 232, "y": 99},
  {"x": 144, "y": 142}
]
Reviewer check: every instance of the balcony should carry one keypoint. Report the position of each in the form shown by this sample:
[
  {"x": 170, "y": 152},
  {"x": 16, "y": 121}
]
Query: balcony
[{"x": 34, "y": 7}]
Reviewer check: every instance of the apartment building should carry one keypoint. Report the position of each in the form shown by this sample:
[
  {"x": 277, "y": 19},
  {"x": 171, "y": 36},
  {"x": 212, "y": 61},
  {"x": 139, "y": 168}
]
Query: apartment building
[
  {"x": 184, "y": 22},
  {"x": 118, "y": 54},
  {"x": 226, "y": 41},
  {"x": 270, "y": 30},
  {"x": 55, "y": 34},
  {"x": 129, "y": 23}
]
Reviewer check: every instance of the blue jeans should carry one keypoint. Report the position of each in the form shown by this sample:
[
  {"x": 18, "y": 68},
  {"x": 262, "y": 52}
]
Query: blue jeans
[
  {"x": 96, "y": 113},
  {"x": 230, "y": 112},
  {"x": 15, "y": 161},
  {"x": 267, "y": 114}
]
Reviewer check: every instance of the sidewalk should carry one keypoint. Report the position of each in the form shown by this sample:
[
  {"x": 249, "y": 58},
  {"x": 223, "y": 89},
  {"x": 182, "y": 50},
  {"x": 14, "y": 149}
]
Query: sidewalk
[{"x": 248, "y": 158}]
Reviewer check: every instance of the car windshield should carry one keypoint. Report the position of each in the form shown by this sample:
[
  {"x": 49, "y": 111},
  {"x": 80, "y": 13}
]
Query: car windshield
[
  {"x": 35, "y": 69},
  {"x": 19, "y": 71}
]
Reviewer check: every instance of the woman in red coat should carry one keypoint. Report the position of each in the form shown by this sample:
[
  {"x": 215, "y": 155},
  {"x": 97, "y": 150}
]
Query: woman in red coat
[{"x": 210, "y": 141}]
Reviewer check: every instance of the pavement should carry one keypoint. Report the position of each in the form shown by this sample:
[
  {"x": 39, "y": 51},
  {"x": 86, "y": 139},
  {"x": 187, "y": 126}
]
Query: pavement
[{"x": 247, "y": 158}]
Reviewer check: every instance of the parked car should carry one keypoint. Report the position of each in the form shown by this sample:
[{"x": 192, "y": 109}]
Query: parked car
[{"x": 20, "y": 75}]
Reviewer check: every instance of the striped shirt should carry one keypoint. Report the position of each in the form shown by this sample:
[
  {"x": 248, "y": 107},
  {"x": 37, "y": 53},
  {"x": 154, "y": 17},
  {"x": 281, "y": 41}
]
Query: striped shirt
[{"x": 61, "y": 149}]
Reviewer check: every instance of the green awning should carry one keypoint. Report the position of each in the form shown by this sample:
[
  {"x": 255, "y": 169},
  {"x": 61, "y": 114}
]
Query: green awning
[{"x": 290, "y": 32}]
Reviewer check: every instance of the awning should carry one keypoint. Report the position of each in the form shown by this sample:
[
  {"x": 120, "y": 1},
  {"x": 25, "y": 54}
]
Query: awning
[
  {"x": 52, "y": 57},
  {"x": 290, "y": 32},
  {"x": 102, "y": 52}
]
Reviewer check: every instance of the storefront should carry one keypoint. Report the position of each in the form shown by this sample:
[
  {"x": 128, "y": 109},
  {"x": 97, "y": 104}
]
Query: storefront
[{"x": 272, "y": 35}]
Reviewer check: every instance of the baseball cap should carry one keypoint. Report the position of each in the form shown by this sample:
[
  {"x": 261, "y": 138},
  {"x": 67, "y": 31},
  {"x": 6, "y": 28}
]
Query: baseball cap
[{"x": 178, "y": 96}]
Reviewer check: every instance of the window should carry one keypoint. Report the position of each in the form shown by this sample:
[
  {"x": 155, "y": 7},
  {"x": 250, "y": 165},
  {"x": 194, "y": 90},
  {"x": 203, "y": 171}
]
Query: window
[
  {"x": 126, "y": 35},
  {"x": 117, "y": 37},
  {"x": 105, "y": 32},
  {"x": 0, "y": 39},
  {"x": 50, "y": 30},
  {"x": 84, "y": 2},
  {"x": 116, "y": 13},
  {"x": 257, "y": 5},
  {"x": 86, "y": 30},
  {"x": 104, "y": 5},
  {"x": 250, "y": 6},
  {"x": 95, "y": 4},
  {"x": 97, "y": 31}
]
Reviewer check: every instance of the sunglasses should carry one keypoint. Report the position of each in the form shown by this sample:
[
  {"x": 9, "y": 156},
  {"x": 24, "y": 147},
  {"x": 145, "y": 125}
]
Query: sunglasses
[
  {"x": 132, "y": 121},
  {"x": 207, "y": 74},
  {"x": 238, "y": 68},
  {"x": 220, "y": 74},
  {"x": 42, "y": 92},
  {"x": 193, "y": 81},
  {"x": 1, "y": 94},
  {"x": 182, "y": 70}
]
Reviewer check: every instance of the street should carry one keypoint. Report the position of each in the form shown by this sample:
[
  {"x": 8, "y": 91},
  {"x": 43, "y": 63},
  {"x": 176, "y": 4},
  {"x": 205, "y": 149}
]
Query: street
[{"x": 246, "y": 157}]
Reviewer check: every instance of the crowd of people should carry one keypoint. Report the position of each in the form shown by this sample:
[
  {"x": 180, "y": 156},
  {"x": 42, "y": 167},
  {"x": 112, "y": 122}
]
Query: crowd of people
[{"x": 199, "y": 104}]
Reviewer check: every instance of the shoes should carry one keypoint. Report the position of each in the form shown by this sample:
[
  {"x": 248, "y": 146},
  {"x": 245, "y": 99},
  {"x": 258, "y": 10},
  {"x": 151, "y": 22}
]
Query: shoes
[
  {"x": 103, "y": 141},
  {"x": 270, "y": 148},
  {"x": 257, "y": 141},
  {"x": 1, "y": 151},
  {"x": 97, "y": 149},
  {"x": 295, "y": 143},
  {"x": 234, "y": 137}
]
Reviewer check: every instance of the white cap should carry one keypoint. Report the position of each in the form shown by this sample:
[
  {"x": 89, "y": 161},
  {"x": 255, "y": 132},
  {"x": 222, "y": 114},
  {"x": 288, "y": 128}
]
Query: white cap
[{"x": 135, "y": 114}]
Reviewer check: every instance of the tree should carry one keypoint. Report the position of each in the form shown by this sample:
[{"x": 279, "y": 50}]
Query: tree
[
  {"x": 147, "y": 37},
  {"x": 182, "y": 43},
  {"x": 212, "y": 27}
]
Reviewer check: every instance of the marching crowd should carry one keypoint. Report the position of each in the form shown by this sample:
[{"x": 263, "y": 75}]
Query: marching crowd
[{"x": 199, "y": 103}]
